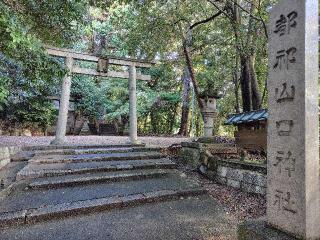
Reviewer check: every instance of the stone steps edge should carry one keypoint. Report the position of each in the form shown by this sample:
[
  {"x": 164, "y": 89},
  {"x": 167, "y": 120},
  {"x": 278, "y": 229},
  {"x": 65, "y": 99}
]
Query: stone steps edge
[
  {"x": 49, "y": 212},
  {"x": 54, "y": 147},
  {"x": 98, "y": 159},
  {"x": 80, "y": 151},
  {"x": 91, "y": 180},
  {"x": 170, "y": 165}
]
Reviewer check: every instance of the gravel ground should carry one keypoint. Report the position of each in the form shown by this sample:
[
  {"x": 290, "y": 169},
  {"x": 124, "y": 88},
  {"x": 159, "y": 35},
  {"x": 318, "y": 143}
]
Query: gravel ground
[
  {"x": 241, "y": 205},
  {"x": 80, "y": 140}
]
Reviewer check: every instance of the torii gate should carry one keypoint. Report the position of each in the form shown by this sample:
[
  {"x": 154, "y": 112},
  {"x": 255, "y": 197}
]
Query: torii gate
[{"x": 102, "y": 70}]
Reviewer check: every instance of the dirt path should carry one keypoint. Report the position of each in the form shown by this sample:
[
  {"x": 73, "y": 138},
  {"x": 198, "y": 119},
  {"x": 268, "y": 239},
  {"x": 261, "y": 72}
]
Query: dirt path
[{"x": 80, "y": 140}]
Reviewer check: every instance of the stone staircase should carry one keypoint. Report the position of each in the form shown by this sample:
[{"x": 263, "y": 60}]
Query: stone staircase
[{"x": 70, "y": 180}]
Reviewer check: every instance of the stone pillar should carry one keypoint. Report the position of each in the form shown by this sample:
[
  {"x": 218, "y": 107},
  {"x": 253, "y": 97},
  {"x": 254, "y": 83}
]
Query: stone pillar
[
  {"x": 209, "y": 112},
  {"x": 293, "y": 140},
  {"x": 133, "y": 137},
  {"x": 64, "y": 105}
]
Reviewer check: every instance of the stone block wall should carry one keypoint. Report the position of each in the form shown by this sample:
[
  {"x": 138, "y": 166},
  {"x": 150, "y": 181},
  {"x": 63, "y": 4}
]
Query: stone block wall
[
  {"x": 245, "y": 176},
  {"x": 191, "y": 153},
  {"x": 6, "y": 153}
]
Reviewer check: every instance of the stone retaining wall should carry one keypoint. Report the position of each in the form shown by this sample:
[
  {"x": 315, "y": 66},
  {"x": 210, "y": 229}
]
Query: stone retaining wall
[
  {"x": 191, "y": 153},
  {"x": 245, "y": 176},
  {"x": 235, "y": 173},
  {"x": 6, "y": 153}
]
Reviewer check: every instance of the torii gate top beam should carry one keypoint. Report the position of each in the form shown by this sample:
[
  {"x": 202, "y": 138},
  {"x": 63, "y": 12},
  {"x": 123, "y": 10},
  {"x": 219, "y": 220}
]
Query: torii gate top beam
[{"x": 60, "y": 52}]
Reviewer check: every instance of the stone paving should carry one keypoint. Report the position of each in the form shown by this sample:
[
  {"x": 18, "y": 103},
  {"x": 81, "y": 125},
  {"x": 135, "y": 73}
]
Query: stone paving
[
  {"x": 193, "y": 218},
  {"x": 90, "y": 140}
]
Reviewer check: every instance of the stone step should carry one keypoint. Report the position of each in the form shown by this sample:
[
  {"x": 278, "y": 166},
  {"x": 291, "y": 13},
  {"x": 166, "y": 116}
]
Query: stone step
[
  {"x": 51, "y": 147},
  {"x": 58, "y": 169},
  {"x": 82, "y": 179},
  {"x": 95, "y": 151},
  {"x": 95, "y": 157},
  {"x": 8, "y": 177},
  {"x": 53, "y": 211},
  {"x": 23, "y": 197},
  {"x": 22, "y": 156}
]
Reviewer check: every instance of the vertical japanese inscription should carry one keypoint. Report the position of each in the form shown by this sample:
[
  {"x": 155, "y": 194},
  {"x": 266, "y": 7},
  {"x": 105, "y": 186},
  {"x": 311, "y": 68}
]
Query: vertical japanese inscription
[
  {"x": 285, "y": 59},
  {"x": 285, "y": 23},
  {"x": 284, "y": 127},
  {"x": 283, "y": 201},
  {"x": 285, "y": 93},
  {"x": 284, "y": 161},
  {"x": 293, "y": 137}
]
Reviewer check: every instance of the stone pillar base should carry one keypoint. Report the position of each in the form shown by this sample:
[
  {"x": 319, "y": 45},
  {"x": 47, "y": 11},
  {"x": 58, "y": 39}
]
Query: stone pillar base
[
  {"x": 135, "y": 142},
  {"x": 58, "y": 142},
  {"x": 258, "y": 230},
  {"x": 209, "y": 140}
]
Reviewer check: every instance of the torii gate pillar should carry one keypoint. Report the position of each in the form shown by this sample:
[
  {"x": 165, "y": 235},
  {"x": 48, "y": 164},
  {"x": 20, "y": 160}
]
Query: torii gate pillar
[
  {"x": 70, "y": 55},
  {"x": 64, "y": 105},
  {"x": 133, "y": 135}
]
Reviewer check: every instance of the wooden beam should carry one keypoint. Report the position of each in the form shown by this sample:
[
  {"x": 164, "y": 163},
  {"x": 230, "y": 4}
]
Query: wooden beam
[
  {"x": 61, "y": 52},
  {"x": 114, "y": 74}
]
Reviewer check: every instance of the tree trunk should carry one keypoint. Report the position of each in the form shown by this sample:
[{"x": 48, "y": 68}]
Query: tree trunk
[
  {"x": 245, "y": 82},
  {"x": 173, "y": 120},
  {"x": 236, "y": 85},
  {"x": 185, "y": 103},
  {"x": 192, "y": 76},
  {"x": 256, "y": 95},
  {"x": 252, "y": 42},
  {"x": 251, "y": 97},
  {"x": 153, "y": 123}
]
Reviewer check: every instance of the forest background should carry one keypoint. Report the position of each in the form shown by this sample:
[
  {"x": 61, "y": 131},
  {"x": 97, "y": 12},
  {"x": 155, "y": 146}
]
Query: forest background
[{"x": 202, "y": 49}]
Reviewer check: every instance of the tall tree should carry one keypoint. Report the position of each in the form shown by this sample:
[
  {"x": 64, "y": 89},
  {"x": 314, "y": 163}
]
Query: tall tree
[
  {"x": 247, "y": 23},
  {"x": 185, "y": 102}
]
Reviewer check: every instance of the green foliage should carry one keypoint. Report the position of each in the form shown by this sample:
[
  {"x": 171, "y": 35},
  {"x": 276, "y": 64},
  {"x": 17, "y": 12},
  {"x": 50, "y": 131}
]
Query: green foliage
[
  {"x": 163, "y": 114},
  {"x": 8, "y": 71},
  {"x": 34, "y": 112},
  {"x": 117, "y": 102},
  {"x": 27, "y": 74},
  {"x": 146, "y": 29},
  {"x": 158, "y": 28},
  {"x": 51, "y": 21},
  {"x": 90, "y": 98}
]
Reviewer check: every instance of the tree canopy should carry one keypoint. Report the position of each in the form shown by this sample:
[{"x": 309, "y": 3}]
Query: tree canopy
[{"x": 203, "y": 48}]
